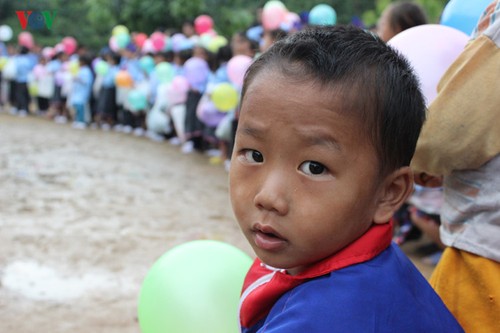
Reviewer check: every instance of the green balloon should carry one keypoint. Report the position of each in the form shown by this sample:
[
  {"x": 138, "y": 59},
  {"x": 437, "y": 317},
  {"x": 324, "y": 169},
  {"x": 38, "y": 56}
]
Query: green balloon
[
  {"x": 194, "y": 287},
  {"x": 165, "y": 72},
  {"x": 102, "y": 67}
]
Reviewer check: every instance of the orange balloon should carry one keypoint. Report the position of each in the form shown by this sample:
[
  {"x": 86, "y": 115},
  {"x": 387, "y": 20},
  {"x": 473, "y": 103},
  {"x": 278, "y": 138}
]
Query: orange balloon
[{"x": 123, "y": 79}]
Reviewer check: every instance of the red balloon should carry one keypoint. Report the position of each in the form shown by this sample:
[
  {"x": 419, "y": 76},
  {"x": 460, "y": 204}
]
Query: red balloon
[
  {"x": 203, "y": 23},
  {"x": 140, "y": 38},
  {"x": 69, "y": 44}
]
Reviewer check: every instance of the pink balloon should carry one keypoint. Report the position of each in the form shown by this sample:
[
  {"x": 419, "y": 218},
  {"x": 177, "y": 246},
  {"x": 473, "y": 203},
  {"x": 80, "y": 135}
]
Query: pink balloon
[
  {"x": 59, "y": 48},
  {"x": 175, "y": 97},
  {"x": 148, "y": 47},
  {"x": 39, "y": 71},
  {"x": 203, "y": 23},
  {"x": 70, "y": 45},
  {"x": 140, "y": 38},
  {"x": 236, "y": 69},
  {"x": 113, "y": 45},
  {"x": 180, "y": 84},
  {"x": 25, "y": 39},
  {"x": 158, "y": 40},
  {"x": 273, "y": 16},
  {"x": 430, "y": 49},
  {"x": 48, "y": 52}
]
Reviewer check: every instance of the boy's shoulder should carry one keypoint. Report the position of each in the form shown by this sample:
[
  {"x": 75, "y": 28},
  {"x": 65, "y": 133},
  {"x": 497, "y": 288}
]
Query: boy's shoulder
[{"x": 385, "y": 293}]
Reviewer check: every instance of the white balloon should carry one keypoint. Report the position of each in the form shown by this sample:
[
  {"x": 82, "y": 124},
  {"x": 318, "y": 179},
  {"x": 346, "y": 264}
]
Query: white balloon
[
  {"x": 5, "y": 33},
  {"x": 157, "y": 121}
]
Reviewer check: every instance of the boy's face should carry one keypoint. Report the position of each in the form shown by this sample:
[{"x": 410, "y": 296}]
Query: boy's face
[{"x": 304, "y": 178}]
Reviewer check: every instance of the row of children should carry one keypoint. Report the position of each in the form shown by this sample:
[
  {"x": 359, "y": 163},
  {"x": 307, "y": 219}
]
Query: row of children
[{"x": 161, "y": 90}]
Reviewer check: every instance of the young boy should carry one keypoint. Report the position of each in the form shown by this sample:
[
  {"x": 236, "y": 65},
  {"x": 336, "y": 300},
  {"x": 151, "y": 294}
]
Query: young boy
[{"x": 328, "y": 125}]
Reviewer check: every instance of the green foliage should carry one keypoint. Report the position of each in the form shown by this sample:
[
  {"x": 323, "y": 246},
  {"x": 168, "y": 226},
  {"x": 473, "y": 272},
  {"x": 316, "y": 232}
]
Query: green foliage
[
  {"x": 91, "y": 21},
  {"x": 433, "y": 9}
]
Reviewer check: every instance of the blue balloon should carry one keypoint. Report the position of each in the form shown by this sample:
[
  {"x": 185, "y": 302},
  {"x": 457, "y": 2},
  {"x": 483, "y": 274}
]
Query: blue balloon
[
  {"x": 137, "y": 101},
  {"x": 255, "y": 33},
  {"x": 463, "y": 15},
  {"x": 147, "y": 64},
  {"x": 322, "y": 15}
]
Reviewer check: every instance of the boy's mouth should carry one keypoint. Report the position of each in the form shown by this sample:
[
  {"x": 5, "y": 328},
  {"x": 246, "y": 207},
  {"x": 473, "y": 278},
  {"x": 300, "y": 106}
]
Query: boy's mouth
[{"x": 266, "y": 238}]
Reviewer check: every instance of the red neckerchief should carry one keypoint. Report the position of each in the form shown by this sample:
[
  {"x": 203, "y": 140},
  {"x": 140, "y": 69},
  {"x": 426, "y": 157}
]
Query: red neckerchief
[{"x": 259, "y": 302}]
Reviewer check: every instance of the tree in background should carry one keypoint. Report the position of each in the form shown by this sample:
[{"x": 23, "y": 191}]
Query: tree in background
[{"x": 91, "y": 21}]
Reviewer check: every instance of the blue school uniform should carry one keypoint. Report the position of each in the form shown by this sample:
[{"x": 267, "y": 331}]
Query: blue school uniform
[{"x": 369, "y": 286}]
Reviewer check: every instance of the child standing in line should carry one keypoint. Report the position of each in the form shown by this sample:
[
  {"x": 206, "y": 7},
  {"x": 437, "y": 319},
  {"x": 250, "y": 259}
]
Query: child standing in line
[
  {"x": 328, "y": 125},
  {"x": 80, "y": 92},
  {"x": 107, "y": 113},
  {"x": 24, "y": 66}
]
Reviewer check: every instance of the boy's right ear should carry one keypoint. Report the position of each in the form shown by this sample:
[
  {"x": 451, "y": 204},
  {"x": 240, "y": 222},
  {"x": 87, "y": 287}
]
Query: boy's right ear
[{"x": 395, "y": 189}]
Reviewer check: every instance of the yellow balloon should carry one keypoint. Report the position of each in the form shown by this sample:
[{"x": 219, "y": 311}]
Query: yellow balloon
[
  {"x": 225, "y": 97},
  {"x": 73, "y": 68},
  {"x": 216, "y": 43},
  {"x": 3, "y": 62},
  {"x": 33, "y": 89},
  {"x": 120, "y": 29}
]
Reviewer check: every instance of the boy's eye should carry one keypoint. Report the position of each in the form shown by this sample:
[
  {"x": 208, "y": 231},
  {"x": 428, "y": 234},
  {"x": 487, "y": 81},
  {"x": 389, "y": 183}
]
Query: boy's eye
[
  {"x": 253, "y": 156},
  {"x": 312, "y": 168}
]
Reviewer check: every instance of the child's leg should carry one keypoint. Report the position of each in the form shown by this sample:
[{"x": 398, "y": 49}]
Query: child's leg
[{"x": 80, "y": 113}]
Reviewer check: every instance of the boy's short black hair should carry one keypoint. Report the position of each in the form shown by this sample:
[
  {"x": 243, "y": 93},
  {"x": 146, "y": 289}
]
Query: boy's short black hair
[{"x": 376, "y": 84}]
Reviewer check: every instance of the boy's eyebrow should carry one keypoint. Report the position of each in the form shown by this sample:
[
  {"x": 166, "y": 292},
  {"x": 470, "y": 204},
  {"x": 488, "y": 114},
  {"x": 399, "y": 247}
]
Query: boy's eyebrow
[
  {"x": 320, "y": 139},
  {"x": 253, "y": 132},
  {"x": 310, "y": 137}
]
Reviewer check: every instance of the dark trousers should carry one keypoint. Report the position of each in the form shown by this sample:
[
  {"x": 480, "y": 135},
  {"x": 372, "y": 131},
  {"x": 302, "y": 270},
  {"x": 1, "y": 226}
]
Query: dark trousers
[{"x": 22, "y": 96}]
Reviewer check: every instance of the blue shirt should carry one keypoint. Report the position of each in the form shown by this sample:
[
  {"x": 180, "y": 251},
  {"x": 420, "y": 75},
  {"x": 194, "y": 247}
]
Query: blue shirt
[
  {"x": 82, "y": 86},
  {"x": 385, "y": 294},
  {"x": 53, "y": 66},
  {"x": 24, "y": 65},
  {"x": 133, "y": 67},
  {"x": 108, "y": 80}
]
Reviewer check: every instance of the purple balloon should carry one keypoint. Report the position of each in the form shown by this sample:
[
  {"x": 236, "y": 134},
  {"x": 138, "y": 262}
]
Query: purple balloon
[
  {"x": 177, "y": 40},
  {"x": 196, "y": 71},
  {"x": 208, "y": 113}
]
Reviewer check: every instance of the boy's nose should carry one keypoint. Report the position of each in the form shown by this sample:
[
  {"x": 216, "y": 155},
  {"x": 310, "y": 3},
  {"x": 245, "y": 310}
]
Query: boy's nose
[{"x": 273, "y": 194}]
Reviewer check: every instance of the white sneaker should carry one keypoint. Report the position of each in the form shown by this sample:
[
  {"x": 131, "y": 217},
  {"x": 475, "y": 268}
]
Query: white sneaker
[
  {"x": 22, "y": 113},
  {"x": 61, "y": 119},
  {"x": 13, "y": 111},
  {"x": 117, "y": 127},
  {"x": 106, "y": 127},
  {"x": 153, "y": 136},
  {"x": 212, "y": 152},
  {"x": 139, "y": 131},
  {"x": 127, "y": 129},
  {"x": 187, "y": 147},
  {"x": 79, "y": 125},
  {"x": 175, "y": 141}
]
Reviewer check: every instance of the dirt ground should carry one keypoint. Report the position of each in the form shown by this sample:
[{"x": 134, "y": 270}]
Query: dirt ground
[{"x": 84, "y": 215}]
